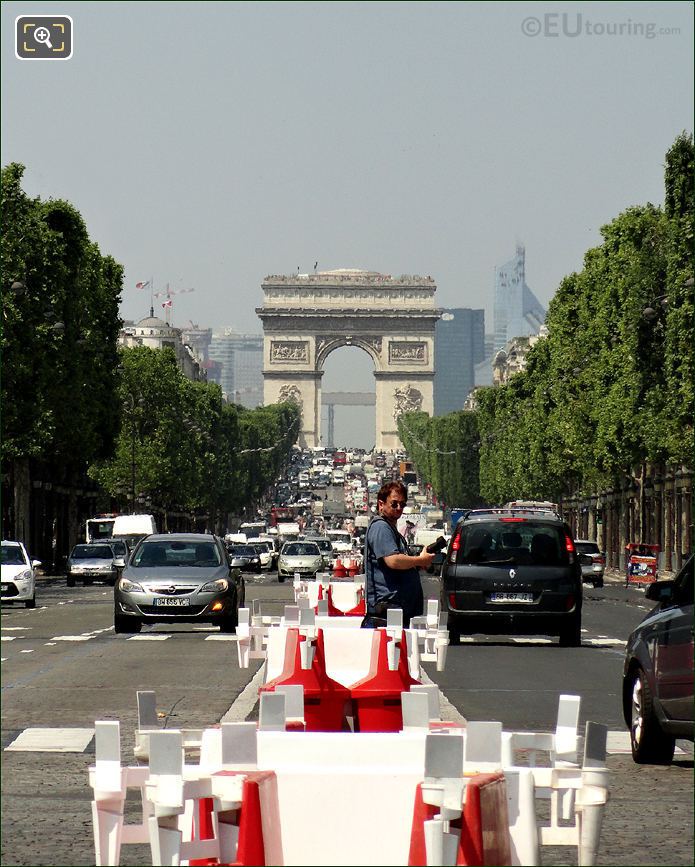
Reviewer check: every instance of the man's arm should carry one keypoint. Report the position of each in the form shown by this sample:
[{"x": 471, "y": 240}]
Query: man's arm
[{"x": 406, "y": 561}]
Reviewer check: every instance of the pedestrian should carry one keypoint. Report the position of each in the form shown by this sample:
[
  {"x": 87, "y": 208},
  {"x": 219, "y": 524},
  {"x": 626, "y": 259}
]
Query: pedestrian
[{"x": 392, "y": 577}]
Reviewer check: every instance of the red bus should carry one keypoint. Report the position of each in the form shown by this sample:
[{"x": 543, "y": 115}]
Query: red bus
[{"x": 339, "y": 459}]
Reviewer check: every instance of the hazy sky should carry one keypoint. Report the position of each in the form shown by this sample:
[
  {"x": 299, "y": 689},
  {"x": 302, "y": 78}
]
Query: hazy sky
[{"x": 210, "y": 144}]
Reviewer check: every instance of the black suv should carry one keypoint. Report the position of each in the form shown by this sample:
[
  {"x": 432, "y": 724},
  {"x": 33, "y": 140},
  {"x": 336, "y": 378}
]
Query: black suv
[{"x": 513, "y": 571}]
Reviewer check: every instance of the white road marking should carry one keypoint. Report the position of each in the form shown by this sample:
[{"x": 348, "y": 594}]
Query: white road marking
[
  {"x": 50, "y": 644},
  {"x": 15, "y": 628},
  {"x": 26, "y": 651},
  {"x": 65, "y": 740},
  {"x": 244, "y": 703},
  {"x": 71, "y": 638},
  {"x": 619, "y": 743},
  {"x": 204, "y": 628},
  {"x": 606, "y": 642},
  {"x": 4, "y": 659},
  {"x": 155, "y": 637},
  {"x": 221, "y": 637},
  {"x": 532, "y": 640},
  {"x": 7, "y": 637}
]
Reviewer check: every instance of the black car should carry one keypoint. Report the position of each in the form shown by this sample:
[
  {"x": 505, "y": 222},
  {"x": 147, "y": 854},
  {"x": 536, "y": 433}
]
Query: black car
[
  {"x": 658, "y": 671},
  {"x": 512, "y": 571},
  {"x": 244, "y": 557}
]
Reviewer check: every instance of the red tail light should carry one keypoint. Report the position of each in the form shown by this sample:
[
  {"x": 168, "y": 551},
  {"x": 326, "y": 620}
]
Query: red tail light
[
  {"x": 569, "y": 545},
  {"x": 455, "y": 545},
  {"x": 452, "y": 600},
  {"x": 569, "y": 602},
  {"x": 601, "y": 561}
]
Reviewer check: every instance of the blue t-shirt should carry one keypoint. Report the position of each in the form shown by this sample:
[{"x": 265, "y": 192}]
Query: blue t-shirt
[{"x": 381, "y": 541}]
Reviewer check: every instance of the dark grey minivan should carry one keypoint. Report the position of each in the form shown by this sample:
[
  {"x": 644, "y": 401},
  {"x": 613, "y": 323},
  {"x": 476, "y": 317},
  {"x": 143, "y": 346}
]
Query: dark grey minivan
[{"x": 510, "y": 571}]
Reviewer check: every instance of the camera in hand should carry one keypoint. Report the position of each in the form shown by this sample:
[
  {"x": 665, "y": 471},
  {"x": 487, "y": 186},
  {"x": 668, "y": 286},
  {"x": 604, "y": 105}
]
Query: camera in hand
[{"x": 436, "y": 546}]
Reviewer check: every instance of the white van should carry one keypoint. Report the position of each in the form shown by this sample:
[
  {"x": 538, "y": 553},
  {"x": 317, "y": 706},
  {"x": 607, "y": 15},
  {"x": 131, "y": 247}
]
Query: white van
[{"x": 132, "y": 528}]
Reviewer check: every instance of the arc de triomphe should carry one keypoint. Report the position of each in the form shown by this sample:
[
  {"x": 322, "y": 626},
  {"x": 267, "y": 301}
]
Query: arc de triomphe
[{"x": 306, "y": 316}]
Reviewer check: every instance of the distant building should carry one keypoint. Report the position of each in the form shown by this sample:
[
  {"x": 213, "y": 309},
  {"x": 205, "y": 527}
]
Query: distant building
[
  {"x": 459, "y": 344},
  {"x": 517, "y": 311},
  {"x": 198, "y": 339},
  {"x": 240, "y": 359},
  {"x": 158, "y": 334},
  {"x": 512, "y": 359}
]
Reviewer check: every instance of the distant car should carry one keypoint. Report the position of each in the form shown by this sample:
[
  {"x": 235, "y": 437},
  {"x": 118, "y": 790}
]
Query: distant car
[
  {"x": 18, "y": 579},
  {"x": 265, "y": 552},
  {"x": 94, "y": 561},
  {"x": 299, "y": 557},
  {"x": 179, "y": 577},
  {"x": 245, "y": 557},
  {"x": 658, "y": 671},
  {"x": 593, "y": 561}
]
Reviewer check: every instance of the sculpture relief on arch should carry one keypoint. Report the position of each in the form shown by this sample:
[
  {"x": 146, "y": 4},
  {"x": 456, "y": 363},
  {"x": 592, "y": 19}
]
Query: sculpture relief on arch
[
  {"x": 406, "y": 399},
  {"x": 289, "y": 350}
]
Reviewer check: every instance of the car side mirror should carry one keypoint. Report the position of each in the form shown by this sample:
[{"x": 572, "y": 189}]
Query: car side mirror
[
  {"x": 119, "y": 563},
  {"x": 35, "y": 564},
  {"x": 659, "y": 591}
]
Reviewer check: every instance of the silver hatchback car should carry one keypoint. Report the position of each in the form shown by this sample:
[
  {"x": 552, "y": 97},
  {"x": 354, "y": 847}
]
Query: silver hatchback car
[{"x": 178, "y": 578}]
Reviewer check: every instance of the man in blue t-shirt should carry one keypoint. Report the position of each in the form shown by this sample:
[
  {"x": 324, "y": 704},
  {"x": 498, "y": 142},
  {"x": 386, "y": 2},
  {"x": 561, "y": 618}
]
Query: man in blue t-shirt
[{"x": 392, "y": 575}]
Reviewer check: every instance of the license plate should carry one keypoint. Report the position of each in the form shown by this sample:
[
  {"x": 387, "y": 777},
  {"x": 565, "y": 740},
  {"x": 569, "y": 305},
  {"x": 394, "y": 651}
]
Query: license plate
[
  {"x": 175, "y": 602},
  {"x": 511, "y": 597}
]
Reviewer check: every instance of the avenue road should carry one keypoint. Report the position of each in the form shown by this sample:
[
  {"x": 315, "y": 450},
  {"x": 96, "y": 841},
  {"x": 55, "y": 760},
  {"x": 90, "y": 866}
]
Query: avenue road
[{"x": 63, "y": 666}]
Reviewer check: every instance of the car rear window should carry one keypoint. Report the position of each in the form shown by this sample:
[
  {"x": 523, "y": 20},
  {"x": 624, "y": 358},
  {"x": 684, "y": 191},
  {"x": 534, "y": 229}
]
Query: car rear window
[
  {"x": 587, "y": 548},
  {"x": 519, "y": 543},
  {"x": 92, "y": 552}
]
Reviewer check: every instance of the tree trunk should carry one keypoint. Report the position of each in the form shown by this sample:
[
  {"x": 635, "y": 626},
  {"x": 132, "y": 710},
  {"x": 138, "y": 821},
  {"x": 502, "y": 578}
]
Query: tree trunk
[{"x": 22, "y": 500}]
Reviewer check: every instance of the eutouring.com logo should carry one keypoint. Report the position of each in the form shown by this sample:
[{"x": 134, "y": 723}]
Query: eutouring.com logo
[{"x": 572, "y": 25}]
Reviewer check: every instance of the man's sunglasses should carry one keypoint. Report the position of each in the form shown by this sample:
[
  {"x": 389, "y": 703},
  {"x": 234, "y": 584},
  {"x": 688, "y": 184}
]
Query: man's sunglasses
[{"x": 397, "y": 504}]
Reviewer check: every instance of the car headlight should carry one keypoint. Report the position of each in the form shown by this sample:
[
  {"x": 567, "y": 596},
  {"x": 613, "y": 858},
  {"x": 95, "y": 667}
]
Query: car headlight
[
  {"x": 218, "y": 586},
  {"x": 23, "y": 576},
  {"x": 130, "y": 586}
]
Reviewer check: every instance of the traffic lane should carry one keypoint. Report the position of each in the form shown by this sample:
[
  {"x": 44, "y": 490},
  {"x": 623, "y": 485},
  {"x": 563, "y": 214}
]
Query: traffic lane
[
  {"x": 74, "y": 682},
  {"x": 518, "y": 679}
]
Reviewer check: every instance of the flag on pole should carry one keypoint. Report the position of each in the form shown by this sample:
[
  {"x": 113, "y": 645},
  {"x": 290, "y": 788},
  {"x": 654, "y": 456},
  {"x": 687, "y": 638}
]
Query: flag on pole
[
  {"x": 143, "y": 284},
  {"x": 168, "y": 303}
]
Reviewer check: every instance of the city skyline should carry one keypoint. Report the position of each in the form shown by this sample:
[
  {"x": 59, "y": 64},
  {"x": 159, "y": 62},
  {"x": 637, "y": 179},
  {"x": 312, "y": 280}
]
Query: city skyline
[{"x": 406, "y": 138}]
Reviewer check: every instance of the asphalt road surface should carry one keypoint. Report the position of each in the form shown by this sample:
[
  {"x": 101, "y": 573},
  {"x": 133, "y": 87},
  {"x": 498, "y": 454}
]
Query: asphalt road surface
[{"x": 63, "y": 667}]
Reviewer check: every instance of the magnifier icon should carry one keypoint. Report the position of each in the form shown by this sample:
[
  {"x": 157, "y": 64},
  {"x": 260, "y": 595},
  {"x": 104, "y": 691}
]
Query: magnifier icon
[{"x": 43, "y": 36}]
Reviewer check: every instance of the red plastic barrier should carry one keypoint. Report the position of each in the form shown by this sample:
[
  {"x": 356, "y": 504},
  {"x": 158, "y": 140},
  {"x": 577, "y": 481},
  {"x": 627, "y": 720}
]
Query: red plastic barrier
[
  {"x": 251, "y": 849},
  {"x": 484, "y": 824},
  {"x": 358, "y": 611},
  {"x": 339, "y": 570},
  {"x": 377, "y": 697},
  {"x": 324, "y": 698}
]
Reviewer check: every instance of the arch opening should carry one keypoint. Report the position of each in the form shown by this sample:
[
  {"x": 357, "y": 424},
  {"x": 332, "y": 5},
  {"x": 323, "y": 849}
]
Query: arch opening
[{"x": 348, "y": 398}]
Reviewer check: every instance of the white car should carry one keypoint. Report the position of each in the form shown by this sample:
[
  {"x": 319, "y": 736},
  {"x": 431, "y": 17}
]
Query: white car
[
  {"x": 18, "y": 580},
  {"x": 303, "y": 558}
]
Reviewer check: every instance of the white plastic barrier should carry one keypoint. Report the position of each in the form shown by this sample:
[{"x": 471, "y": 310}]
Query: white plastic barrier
[
  {"x": 258, "y": 638},
  {"x": 321, "y": 778}
]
